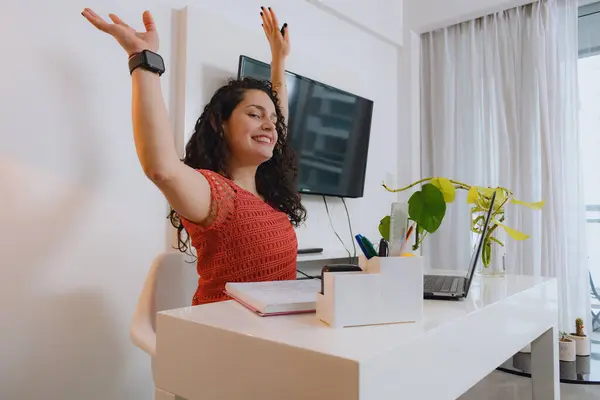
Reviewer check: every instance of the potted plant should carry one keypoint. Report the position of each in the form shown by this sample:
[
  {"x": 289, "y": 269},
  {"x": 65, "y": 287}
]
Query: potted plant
[
  {"x": 582, "y": 342},
  {"x": 566, "y": 348},
  {"x": 427, "y": 207}
]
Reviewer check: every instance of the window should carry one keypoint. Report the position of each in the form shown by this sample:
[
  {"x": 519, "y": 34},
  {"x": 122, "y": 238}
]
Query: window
[{"x": 589, "y": 123}]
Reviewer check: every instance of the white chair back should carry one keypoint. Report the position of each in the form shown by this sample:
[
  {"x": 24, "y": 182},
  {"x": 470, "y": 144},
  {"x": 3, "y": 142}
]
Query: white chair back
[{"x": 171, "y": 283}]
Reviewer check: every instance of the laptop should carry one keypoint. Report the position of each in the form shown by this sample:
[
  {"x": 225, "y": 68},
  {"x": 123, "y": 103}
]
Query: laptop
[{"x": 441, "y": 287}]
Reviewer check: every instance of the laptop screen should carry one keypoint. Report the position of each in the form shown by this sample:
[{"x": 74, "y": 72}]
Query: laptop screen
[{"x": 477, "y": 251}]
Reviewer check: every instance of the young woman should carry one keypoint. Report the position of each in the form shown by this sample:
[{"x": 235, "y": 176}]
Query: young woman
[{"x": 234, "y": 194}]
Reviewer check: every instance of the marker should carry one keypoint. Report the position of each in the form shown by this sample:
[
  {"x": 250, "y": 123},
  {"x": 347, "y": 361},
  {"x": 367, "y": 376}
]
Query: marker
[
  {"x": 361, "y": 245},
  {"x": 383, "y": 248},
  {"x": 369, "y": 246}
]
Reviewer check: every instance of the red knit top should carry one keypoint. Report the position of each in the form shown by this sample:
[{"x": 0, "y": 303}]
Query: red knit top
[{"x": 245, "y": 240}]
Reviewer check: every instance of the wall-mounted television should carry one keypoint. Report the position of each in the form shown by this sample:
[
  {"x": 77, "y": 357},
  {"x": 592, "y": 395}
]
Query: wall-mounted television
[{"x": 328, "y": 128}]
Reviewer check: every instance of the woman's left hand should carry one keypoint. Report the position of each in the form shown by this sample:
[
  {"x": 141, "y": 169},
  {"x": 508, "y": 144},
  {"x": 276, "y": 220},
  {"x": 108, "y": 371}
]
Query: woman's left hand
[{"x": 280, "y": 43}]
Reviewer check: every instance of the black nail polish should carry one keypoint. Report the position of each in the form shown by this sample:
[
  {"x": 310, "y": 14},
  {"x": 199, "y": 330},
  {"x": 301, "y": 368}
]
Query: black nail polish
[
  {"x": 285, "y": 25},
  {"x": 261, "y": 14}
]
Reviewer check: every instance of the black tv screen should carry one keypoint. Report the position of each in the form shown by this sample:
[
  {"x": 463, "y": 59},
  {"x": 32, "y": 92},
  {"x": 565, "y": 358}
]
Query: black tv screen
[{"x": 328, "y": 128}]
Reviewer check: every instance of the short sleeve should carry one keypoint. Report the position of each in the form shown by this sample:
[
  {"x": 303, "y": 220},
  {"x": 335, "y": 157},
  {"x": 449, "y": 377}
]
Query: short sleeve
[{"x": 222, "y": 204}]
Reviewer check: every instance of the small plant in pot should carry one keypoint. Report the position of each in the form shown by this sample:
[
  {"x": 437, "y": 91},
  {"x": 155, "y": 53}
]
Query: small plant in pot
[
  {"x": 582, "y": 342},
  {"x": 566, "y": 348}
]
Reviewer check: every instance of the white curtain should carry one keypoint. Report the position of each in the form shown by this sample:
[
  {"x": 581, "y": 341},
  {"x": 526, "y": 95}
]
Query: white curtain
[{"x": 500, "y": 107}]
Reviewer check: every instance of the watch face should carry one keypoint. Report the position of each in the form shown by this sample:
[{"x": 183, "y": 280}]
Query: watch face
[{"x": 155, "y": 61}]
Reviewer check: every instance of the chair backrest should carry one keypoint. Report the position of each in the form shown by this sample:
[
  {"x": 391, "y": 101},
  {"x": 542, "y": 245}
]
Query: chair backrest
[
  {"x": 176, "y": 281},
  {"x": 170, "y": 283}
]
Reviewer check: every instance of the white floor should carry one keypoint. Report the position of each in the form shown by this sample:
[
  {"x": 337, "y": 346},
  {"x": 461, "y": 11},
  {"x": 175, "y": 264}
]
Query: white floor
[{"x": 502, "y": 386}]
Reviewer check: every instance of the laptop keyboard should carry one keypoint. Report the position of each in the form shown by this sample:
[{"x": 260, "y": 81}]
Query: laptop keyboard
[{"x": 443, "y": 284}]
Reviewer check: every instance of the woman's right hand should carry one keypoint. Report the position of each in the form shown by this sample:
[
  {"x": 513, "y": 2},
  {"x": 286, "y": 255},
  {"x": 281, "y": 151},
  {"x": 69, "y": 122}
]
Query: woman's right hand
[{"x": 132, "y": 41}]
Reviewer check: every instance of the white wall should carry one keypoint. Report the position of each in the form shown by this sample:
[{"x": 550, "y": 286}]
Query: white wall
[
  {"x": 79, "y": 222},
  {"x": 381, "y": 18}
]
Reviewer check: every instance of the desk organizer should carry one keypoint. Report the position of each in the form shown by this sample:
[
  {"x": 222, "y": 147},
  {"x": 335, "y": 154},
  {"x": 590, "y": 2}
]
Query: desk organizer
[{"x": 389, "y": 290}]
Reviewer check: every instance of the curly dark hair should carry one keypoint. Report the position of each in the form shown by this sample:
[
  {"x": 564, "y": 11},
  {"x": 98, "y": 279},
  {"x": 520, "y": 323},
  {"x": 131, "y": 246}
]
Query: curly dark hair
[{"x": 207, "y": 149}]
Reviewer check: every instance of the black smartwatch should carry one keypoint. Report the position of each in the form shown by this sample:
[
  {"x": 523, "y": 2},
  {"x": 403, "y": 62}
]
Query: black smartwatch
[{"x": 148, "y": 60}]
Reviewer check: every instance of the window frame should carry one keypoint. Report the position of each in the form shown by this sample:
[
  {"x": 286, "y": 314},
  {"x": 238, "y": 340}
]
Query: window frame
[{"x": 586, "y": 11}]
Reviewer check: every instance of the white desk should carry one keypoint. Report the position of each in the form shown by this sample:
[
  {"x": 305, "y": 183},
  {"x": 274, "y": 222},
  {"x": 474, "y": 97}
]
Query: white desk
[{"x": 223, "y": 351}]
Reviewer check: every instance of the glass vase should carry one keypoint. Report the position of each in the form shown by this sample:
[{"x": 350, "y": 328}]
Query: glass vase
[{"x": 497, "y": 264}]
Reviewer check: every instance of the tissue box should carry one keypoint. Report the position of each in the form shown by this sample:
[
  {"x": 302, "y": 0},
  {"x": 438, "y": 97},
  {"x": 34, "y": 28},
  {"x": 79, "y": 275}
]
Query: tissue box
[{"x": 389, "y": 290}]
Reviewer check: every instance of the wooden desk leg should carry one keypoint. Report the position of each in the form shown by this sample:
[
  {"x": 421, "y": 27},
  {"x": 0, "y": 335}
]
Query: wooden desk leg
[
  {"x": 544, "y": 366},
  {"x": 160, "y": 394}
]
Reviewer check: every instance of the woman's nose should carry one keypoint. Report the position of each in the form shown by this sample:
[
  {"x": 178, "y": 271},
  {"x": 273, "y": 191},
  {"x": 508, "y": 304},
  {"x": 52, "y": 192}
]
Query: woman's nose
[{"x": 268, "y": 125}]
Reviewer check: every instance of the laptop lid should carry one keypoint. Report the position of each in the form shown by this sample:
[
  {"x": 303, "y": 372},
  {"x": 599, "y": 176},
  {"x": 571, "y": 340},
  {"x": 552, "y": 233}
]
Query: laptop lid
[{"x": 478, "y": 247}]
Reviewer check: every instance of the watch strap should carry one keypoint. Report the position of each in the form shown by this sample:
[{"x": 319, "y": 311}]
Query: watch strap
[{"x": 140, "y": 60}]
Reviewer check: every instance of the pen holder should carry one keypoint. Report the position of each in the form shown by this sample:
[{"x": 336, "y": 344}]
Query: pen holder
[{"x": 389, "y": 290}]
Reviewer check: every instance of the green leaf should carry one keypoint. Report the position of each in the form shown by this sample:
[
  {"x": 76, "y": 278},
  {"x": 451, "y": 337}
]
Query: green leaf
[
  {"x": 486, "y": 192},
  {"x": 500, "y": 198},
  {"x": 476, "y": 224},
  {"x": 420, "y": 236},
  {"x": 493, "y": 239},
  {"x": 482, "y": 202},
  {"x": 384, "y": 227},
  {"x": 427, "y": 207},
  {"x": 446, "y": 187},
  {"x": 472, "y": 195},
  {"x": 516, "y": 235},
  {"x": 538, "y": 205},
  {"x": 480, "y": 196},
  {"x": 486, "y": 255}
]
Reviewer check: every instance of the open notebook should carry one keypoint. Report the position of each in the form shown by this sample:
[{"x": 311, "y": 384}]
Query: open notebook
[{"x": 276, "y": 297}]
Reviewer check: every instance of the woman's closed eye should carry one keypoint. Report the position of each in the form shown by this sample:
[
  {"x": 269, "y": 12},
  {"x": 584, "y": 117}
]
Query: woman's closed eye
[{"x": 254, "y": 115}]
